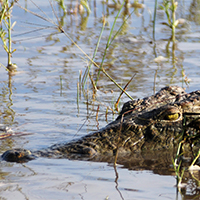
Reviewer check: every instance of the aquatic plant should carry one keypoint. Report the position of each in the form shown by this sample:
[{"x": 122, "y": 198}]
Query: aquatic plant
[
  {"x": 5, "y": 31},
  {"x": 170, "y": 7},
  {"x": 177, "y": 162}
]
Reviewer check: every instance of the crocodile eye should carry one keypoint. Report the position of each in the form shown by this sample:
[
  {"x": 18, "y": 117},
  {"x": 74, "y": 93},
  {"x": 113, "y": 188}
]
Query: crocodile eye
[
  {"x": 171, "y": 116},
  {"x": 171, "y": 113}
]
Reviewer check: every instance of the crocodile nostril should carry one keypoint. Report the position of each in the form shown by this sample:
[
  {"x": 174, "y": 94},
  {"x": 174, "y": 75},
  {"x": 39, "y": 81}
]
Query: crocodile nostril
[{"x": 17, "y": 154}]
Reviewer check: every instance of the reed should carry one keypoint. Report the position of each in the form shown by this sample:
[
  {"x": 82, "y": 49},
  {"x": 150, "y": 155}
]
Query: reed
[
  {"x": 170, "y": 7},
  {"x": 154, "y": 18},
  {"x": 109, "y": 41},
  {"x": 96, "y": 49},
  {"x": 59, "y": 27},
  {"x": 5, "y": 32},
  {"x": 185, "y": 139},
  {"x": 86, "y": 5}
]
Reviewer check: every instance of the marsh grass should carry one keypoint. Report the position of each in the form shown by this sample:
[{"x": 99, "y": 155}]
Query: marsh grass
[
  {"x": 95, "y": 51},
  {"x": 170, "y": 7},
  {"x": 81, "y": 84},
  {"x": 111, "y": 38},
  {"x": 109, "y": 41},
  {"x": 5, "y": 32},
  {"x": 177, "y": 161}
]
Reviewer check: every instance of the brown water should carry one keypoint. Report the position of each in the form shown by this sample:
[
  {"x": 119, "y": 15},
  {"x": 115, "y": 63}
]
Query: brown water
[{"x": 34, "y": 100}]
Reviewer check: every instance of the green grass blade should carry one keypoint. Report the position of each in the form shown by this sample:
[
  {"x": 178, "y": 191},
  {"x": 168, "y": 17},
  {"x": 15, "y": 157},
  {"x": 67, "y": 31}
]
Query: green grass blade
[
  {"x": 98, "y": 42},
  {"x": 154, "y": 18},
  {"x": 108, "y": 42}
]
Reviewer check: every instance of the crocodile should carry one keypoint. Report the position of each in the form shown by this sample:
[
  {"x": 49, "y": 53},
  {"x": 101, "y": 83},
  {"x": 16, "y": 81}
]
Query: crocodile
[{"x": 153, "y": 123}]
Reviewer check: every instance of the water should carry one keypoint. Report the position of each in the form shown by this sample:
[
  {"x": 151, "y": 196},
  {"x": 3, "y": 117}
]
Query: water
[
  {"x": 34, "y": 101},
  {"x": 64, "y": 179}
]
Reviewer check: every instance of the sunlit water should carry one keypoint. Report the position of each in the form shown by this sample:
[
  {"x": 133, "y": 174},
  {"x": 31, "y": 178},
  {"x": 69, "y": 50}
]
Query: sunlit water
[{"x": 41, "y": 98}]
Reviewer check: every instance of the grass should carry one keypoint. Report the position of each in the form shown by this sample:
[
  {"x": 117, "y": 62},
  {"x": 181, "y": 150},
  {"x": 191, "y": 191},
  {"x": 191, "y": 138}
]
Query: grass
[
  {"x": 58, "y": 25},
  {"x": 177, "y": 162},
  {"x": 5, "y": 33}
]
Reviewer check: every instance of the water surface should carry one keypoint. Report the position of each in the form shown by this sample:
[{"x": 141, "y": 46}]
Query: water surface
[{"x": 41, "y": 98}]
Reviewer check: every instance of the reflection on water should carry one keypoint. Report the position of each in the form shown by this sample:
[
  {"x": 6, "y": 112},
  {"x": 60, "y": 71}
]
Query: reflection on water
[
  {"x": 7, "y": 113},
  {"x": 31, "y": 99}
]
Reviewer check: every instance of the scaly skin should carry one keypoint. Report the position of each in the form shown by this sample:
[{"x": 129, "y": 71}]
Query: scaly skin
[{"x": 152, "y": 123}]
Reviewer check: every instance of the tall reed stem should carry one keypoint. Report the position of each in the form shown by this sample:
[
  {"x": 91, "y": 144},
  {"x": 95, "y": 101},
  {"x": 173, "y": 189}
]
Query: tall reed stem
[
  {"x": 9, "y": 41},
  {"x": 109, "y": 42},
  {"x": 154, "y": 18},
  {"x": 173, "y": 20}
]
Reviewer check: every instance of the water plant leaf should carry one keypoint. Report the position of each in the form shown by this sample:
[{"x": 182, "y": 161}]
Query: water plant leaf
[
  {"x": 85, "y": 4},
  {"x": 176, "y": 23},
  {"x": 13, "y": 25},
  {"x": 137, "y": 5},
  {"x": 166, "y": 24},
  {"x": 13, "y": 51}
]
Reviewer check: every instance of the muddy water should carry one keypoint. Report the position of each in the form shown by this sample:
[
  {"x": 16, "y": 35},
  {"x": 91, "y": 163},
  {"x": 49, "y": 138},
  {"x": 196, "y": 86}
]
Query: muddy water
[{"x": 41, "y": 98}]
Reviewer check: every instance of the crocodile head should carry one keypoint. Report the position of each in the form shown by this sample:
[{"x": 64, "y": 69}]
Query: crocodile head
[
  {"x": 164, "y": 119},
  {"x": 152, "y": 123},
  {"x": 157, "y": 122}
]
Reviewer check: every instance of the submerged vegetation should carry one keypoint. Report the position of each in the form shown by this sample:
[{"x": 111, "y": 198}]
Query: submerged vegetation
[{"x": 93, "y": 76}]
